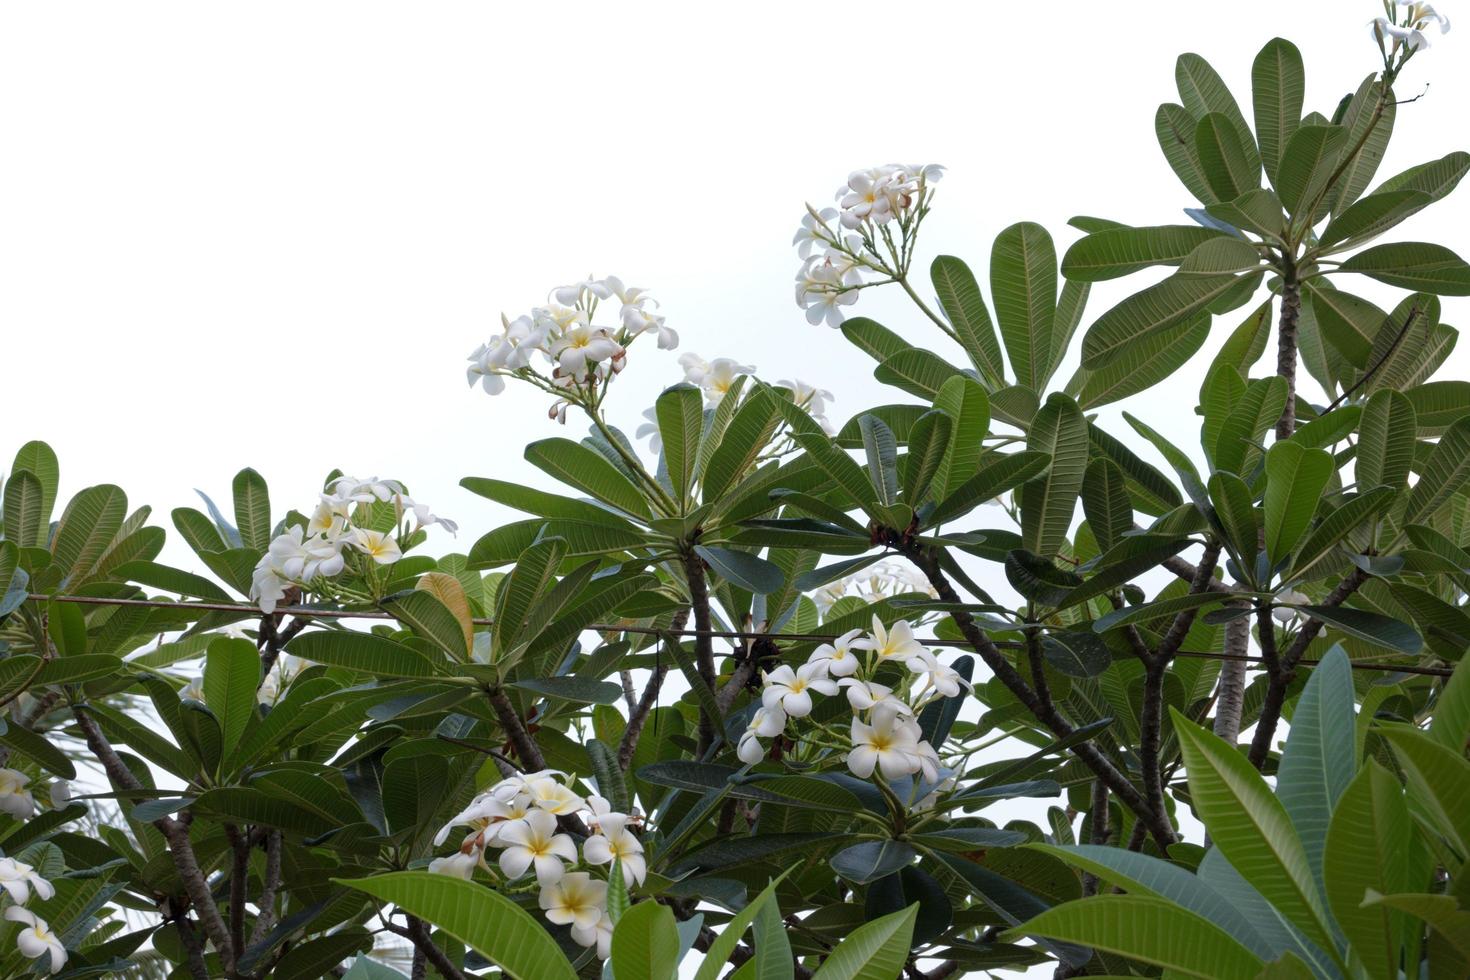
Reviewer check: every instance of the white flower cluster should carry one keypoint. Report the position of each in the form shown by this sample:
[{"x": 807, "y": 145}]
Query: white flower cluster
[
  {"x": 35, "y": 939},
  {"x": 714, "y": 378},
  {"x": 881, "y": 581},
  {"x": 884, "y": 734},
  {"x": 518, "y": 816},
  {"x": 1417, "y": 17},
  {"x": 300, "y": 555},
  {"x": 833, "y": 261},
  {"x": 581, "y": 355},
  {"x": 15, "y": 794}
]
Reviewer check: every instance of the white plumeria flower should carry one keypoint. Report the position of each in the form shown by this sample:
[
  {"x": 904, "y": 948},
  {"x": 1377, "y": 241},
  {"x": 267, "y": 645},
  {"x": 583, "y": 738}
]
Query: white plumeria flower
[
  {"x": 767, "y": 722},
  {"x": 15, "y": 799},
  {"x": 927, "y": 760},
  {"x": 267, "y": 587},
  {"x": 60, "y": 794},
  {"x": 814, "y": 232},
  {"x": 790, "y": 690},
  {"x": 329, "y": 518},
  {"x": 895, "y": 644},
  {"x": 486, "y": 816},
  {"x": 349, "y": 489},
  {"x": 381, "y": 548},
  {"x": 887, "y": 745},
  {"x": 863, "y": 695},
  {"x": 1411, "y": 33},
  {"x": 193, "y": 691},
  {"x": 457, "y": 865},
  {"x": 720, "y": 376},
  {"x": 836, "y": 659},
  {"x": 599, "y": 935},
  {"x": 577, "y": 292},
  {"x": 483, "y": 371},
  {"x": 36, "y": 939},
  {"x": 942, "y": 677},
  {"x": 535, "y": 842},
  {"x": 582, "y": 346},
  {"x": 694, "y": 367},
  {"x": 545, "y": 793},
  {"x": 866, "y": 198},
  {"x": 18, "y": 878},
  {"x": 822, "y": 289},
  {"x": 576, "y": 900},
  {"x": 1285, "y": 616},
  {"x": 649, "y": 430},
  {"x": 749, "y": 749},
  {"x": 616, "y": 842}
]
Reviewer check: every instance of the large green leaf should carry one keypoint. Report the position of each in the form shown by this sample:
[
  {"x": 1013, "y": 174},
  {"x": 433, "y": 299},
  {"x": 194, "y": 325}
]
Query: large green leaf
[
  {"x": 1203, "y": 91},
  {"x": 741, "y": 442},
  {"x": 724, "y": 944},
  {"x": 1116, "y": 252},
  {"x": 86, "y": 529},
  {"x": 928, "y": 448},
  {"x": 1250, "y": 827},
  {"x": 252, "y": 509},
  {"x": 1318, "y": 762},
  {"x": 1278, "y": 86},
  {"x": 1049, "y": 501},
  {"x": 1023, "y": 285},
  {"x": 1222, "y": 155},
  {"x": 1174, "y": 126},
  {"x": 1349, "y": 323},
  {"x": 1370, "y": 626},
  {"x": 917, "y": 371},
  {"x": 1141, "y": 366},
  {"x": 1147, "y": 929},
  {"x": 1352, "y": 513},
  {"x": 1105, "y": 501},
  {"x": 532, "y": 578},
  {"x": 866, "y": 862},
  {"x": 1151, "y": 311},
  {"x": 365, "y": 652},
  {"x": 1236, "y": 512},
  {"x": 497, "y": 928},
  {"x": 1386, "y": 437},
  {"x": 968, "y": 407},
  {"x": 876, "y": 950},
  {"x": 231, "y": 677},
  {"x": 1439, "y": 782},
  {"x": 959, "y": 296},
  {"x": 1444, "y": 475},
  {"x": 1307, "y": 162},
  {"x": 25, "y": 511},
  {"x": 645, "y": 943},
  {"x": 589, "y": 471},
  {"x": 746, "y": 570},
  {"x": 881, "y": 449},
  {"x": 680, "y": 414},
  {"x": 1295, "y": 479},
  {"x": 1368, "y": 119},
  {"x": 39, "y": 459},
  {"x": 1413, "y": 265},
  {"x": 539, "y": 502},
  {"x": 1370, "y": 843},
  {"x": 998, "y": 473},
  {"x": 1371, "y": 217}
]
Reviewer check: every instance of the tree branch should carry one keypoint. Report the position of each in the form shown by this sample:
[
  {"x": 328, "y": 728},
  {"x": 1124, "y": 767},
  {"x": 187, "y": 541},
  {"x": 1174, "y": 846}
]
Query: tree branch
[
  {"x": 180, "y": 848},
  {"x": 1230, "y": 691},
  {"x": 1286, "y": 347},
  {"x": 418, "y": 934},
  {"x": 265, "y": 918},
  {"x": 704, "y": 654}
]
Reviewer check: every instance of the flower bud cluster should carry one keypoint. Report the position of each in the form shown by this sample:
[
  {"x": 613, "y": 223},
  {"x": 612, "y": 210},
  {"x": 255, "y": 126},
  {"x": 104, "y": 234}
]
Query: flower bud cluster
[
  {"x": 518, "y": 818},
  {"x": 884, "y": 734},
  {"x": 870, "y": 205},
  {"x": 1405, "y": 30},
  {"x": 582, "y": 357},
  {"x": 336, "y": 535}
]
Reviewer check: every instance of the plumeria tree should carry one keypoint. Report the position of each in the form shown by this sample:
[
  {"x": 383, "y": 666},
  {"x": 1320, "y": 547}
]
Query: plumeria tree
[{"x": 735, "y": 695}]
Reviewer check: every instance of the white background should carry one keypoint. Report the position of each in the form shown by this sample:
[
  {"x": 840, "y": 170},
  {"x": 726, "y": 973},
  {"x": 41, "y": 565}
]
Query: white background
[{"x": 269, "y": 234}]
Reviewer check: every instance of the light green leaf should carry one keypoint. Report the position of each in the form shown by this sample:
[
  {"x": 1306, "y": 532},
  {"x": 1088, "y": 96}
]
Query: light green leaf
[
  {"x": 1439, "y": 782},
  {"x": 1295, "y": 479},
  {"x": 719, "y": 951},
  {"x": 1149, "y": 312},
  {"x": 1148, "y": 929},
  {"x": 1119, "y": 251},
  {"x": 231, "y": 677},
  {"x": 1278, "y": 86},
  {"x": 1318, "y": 762},
  {"x": 744, "y": 569},
  {"x": 252, "y": 509},
  {"x": 919, "y": 372},
  {"x": 1442, "y": 912},
  {"x": 365, "y": 652},
  {"x": 586, "y": 690},
  {"x": 1203, "y": 91},
  {"x": 428, "y": 616},
  {"x": 1222, "y": 155},
  {"x": 25, "y": 511},
  {"x": 86, "y": 529},
  {"x": 589, "y": 471},
  {"x": 928, "y": 447},
  {"x": 959, "y": 296},
  {"x": 1386, "y": 438},
  {"x": 645, "y": 943},
  {"x": 968, "y": 407},
  {"x": 1236, "y": 513},
  {"x": 497, "y": 928},
  {"x": 1413, "y": 265},
  {"x": 881, "y": 449},
  {"x": 1351, "y": 514},
  {"x": 1445, "y": 474},
  {"x": 1350, "y": 324},
  {"x": 1105, "y": 501},
  {"x": 876, "y": 950},
  {"x": 1023, "y": 285},
  {"x": 1049, "y": 501},
  {"x": 680, "y": 414},
  {"x": 1141, "y": 366}
]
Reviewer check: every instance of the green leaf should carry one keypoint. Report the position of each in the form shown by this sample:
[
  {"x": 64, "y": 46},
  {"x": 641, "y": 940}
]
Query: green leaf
[
  {"x": 719, "y": 952},
  {"x": 1369, "y": 127},
  {"x": 1049, "y": 501},
  {"x": 1278, "y": 86},
  {"x": 645, "y": 943},
  {"x": 1174, "y": 126},
  {"x": 532, "y": 578},
  {"x": 872, "y": 338},
  {"x": 539, "y": 502},
  {"x": 1310, "y": 156},
  {"x": 1148, "y": 929},
  {"x": 968, "y": 407},
  {"x": 1386, "y": 436},
  {"x": 1105, "y": 502},
  {"x": 743, "y": 569},
  {"x": 497, "y": 928},
  {"x": 998, "y": 473},
  {"x": 1451, "y": 724},
  {"x": 1120, "y": 251},
  {"x": 1444, "y": 475},
  {"x": 25, "y": 512},
  {"x": 928, "y": 447},
  {"x": 365, "y": 652},
  {"x": 1222, "y": 155},
  {"x": 39, "y": 459},
  {"x": 1369, "y": 845},
  {"x": 231, "y": 677},
  {"x": 882, "y": 453},
  {"x": 1353, "y": 513},
  {"x": 1023, "y": 285},
  {"x": 876, "y": 950},
  {"x": 1413, "y": 265},
  {"x": 1142, "y": 366},
  {"x": 252, "y": 509},
  {"x": 429, "y": 617},
  {"x": 1348, "y": 323},
  {"x": 585, "y": 690},
  {"x": 1256, "y": 210},
  {"x": 1250, "y": 827},
  {"x": 959, "y": 296},
  {"x": 86, "y": 529},
  {"x": 741, "y": 442},
  {"x": 39, "y": 749},
  {"x": 1369, "y": 626},
  {"x": 680, "y": 414},
  {"x": 1076, "y": 653},
  {"x": 1151, "y": 311},
  {"x": 1318, "y": 762},
  {"x": 1442, "y": 912},
  {"x": 872, "y": 859},
  {"x": 1439, "y": 782},
  {"x": 1236, "y": 513},
  {"x": 1160, "y": 609},
  {"x": 1295, "y": 479},
  {"x": 1372, "y": 216},
  {"x": 1039, "y": 579},
  {"x": 919, "y": 372},
  {"x": 317, "y": 957},
  {"x": 773, "y": 958},
  {"x": 589, "y": 471},
  {"x": 1202, "y": 91}
]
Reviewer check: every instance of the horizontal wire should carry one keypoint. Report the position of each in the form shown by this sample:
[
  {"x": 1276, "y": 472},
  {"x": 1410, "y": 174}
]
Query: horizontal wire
[{"x": 308, "y": 612}]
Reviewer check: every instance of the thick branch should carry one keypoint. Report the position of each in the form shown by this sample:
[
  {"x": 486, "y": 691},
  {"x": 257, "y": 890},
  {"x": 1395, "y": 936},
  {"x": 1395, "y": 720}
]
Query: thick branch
[
  {"x": 638, "y": 717},
  {"x": 239, "y": 879},
  {"x": 1204, "y": 575},
  {"x": 704, "y": 653},
  {"x": 1150, "y": 728},
  {"x": 418, "y": 934},
  {"x": 1286, "y": 348},
  {"x": 1044, "y": 710},
  {"x": 1098, "y": 831},
  {"x": 180, "y": 848},
  {"x": 265, "y": 918},
  {"x": 1230, "y": 691}
]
